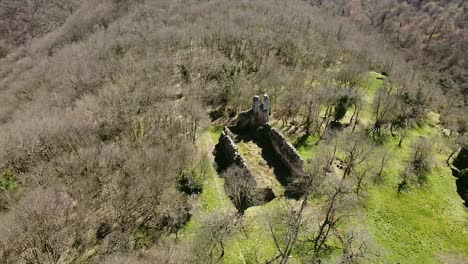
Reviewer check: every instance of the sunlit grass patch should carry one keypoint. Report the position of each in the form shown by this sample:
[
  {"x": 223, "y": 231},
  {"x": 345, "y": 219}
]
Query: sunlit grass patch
[
  {"x": 415, "y": 226},
  {"x": 213, "y": 196},
  {"x": 307, "y": 147},
  {"x": 254, "y": 243},
  {"x": 263, "y": 173},
  {"x": 424, "y": 221},
  {"x": 373, "y": 83},
  {"x": 215, "y": 132}
]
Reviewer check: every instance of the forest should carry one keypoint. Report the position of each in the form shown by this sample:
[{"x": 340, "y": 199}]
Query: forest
[{"x": 112, "y": 113}]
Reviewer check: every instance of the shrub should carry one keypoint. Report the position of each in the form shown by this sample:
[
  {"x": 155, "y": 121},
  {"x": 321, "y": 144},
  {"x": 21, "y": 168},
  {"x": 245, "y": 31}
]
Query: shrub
[
  {"x": 421, "y": 158},
  {"x": 187, "y": 183},
  {"x": 7, "y": 181},
  {"x": 341, "y": 108}
]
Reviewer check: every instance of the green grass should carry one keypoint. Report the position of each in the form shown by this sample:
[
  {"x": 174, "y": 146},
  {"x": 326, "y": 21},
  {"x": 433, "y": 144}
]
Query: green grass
[
  {"x": 8, "y": 181},
  {"x": 306, "y": 148},
  {"x": 373, "y": 83},
  {"x": 213, "y": 196},
  {"x": 418, "y": 225},
  {"x": 421, "y": 224},
  {"x": 254, "y": 243},
  {"x": 215, "y": 131},
  {"x": 424, "y": 222},
  {"x": 370, "y": 87},
  {"x": 264, "y": 175}
]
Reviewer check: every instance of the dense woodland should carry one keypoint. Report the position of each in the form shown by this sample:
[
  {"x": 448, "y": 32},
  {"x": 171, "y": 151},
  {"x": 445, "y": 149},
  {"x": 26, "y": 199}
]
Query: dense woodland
[{"x": 109, "y": 111}]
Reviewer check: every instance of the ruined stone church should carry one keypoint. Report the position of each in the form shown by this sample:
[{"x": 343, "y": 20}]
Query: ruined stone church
[{"x": 257, "y": 116}]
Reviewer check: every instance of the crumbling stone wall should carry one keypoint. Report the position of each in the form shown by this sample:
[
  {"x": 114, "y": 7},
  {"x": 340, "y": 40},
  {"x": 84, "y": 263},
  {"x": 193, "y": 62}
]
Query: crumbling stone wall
[
  {"x": 229, "y": 148},
  {"x": 283, "y": 148}
]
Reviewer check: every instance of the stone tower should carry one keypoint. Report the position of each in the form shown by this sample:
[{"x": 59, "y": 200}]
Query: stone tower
[
  {"x": 256, "y": 105},
  {"x": 257, "y": 116},
  {"x": 263, "y": 115}
]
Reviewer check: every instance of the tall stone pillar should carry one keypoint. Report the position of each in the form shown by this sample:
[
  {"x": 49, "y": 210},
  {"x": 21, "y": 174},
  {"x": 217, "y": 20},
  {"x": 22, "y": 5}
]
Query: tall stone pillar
[
  {"x": 254, "y": 119},
  {"x": 266, "y": 104},
  {"x": 256, "y": 105}
]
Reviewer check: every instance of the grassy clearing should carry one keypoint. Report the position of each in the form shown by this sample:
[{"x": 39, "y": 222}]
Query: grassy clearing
[
  {"x": 370, "y": 87},
  {"x": 264, "y": 175},
  {"x": 215, "y": 131},
  {"x": 254, "y": 243},
  {"x": 425, "y": 222},
  {"x": 213, "y": 196},
  {"x": 373, "y": 82},
  {"x": 418, "y": 225}
]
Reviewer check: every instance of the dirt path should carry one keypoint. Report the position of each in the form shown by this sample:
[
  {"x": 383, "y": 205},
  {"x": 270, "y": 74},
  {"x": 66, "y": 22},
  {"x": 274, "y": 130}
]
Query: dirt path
[{"x": 209, "y": 146}]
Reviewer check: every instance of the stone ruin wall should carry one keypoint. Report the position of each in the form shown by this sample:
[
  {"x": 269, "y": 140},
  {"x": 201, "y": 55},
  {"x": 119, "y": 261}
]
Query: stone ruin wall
[
  {"x": 258, "y": 117},
  {"x": 229, "y": 148},
  {"x": 284, "y": 149}
]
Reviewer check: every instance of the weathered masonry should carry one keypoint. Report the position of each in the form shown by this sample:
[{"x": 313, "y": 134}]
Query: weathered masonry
[
  {"x": 255, "y": 121},
  {"x": 287, "y": 153},
  {"x": 229, "y": 149},
  {"x": 257, "y": 116},
  {"x": 232, "y": 156}
]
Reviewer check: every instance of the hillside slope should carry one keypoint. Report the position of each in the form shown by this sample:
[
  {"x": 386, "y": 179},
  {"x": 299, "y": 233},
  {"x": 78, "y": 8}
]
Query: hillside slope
[{"x": 110, "y": 109}]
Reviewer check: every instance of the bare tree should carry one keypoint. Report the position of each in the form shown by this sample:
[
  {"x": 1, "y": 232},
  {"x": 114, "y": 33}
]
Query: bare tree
[
  {"x": 421, "y": 158},
  {"x": 41, "y": 229},
  {"x": 311, "y": 182},
  {"x": 355, "y": 246},
  {"x": 311, "y": 112},
  {"x": 316, "y": 184},
  {"x": 383, "y": 106},
  {"x": 456, "y": 143},
  {"x": 240, "y": 187},
  {"x": 360, "y": 175},
  {"x": 330, "y": 221},
  {"x": 195, "y": 114},
  {"x": 328, "y": 100},
  {"x": 209, "y": 244},
  {"x": 382, "y": 165},
  {"x": 356, "y": 150}
]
